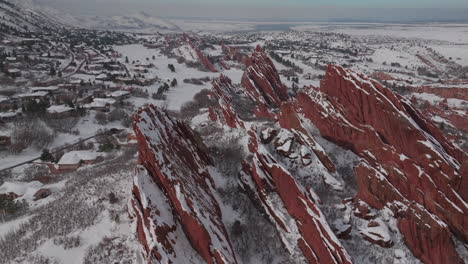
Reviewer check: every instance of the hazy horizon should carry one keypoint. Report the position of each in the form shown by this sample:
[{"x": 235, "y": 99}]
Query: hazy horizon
[{"x": 273, "y": 10}]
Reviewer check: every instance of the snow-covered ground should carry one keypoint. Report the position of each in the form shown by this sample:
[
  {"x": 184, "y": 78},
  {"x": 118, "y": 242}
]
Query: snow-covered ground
[
  {"x": 458, "y": 52},
  {"x": 80, "y": 223},
  {"x": 453, "y": 33},
  {"x": 179, "y": 94},
  {"x": 87, "y": 127}
]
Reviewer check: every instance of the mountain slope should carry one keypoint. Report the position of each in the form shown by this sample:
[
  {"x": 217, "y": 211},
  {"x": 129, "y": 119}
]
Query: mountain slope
[
  {"x": 25, "y": 16},
  {"x": 141, "y": 22}
]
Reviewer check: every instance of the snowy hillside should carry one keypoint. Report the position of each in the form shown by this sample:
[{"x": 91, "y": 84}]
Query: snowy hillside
[
  {"x": 141, "y": 21},
  {"x": 24, "y": 15}
]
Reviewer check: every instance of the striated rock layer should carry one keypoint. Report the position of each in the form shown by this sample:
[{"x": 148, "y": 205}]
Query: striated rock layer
[
  {"x": 201, "y": 57},
  {"x": 407, "y": 164},
  {"x": 261, "y": 80},
  {"x": 300, "y": 223},
  {"x": 175, "y": 173}
]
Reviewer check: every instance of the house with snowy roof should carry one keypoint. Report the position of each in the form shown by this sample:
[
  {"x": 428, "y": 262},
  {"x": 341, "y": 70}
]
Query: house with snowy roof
[
  {"x": 5, "y": 140},
  {"x": 14, "y": 73},
  {"x": 73, "y": 160},
  {"x": 100, "y": 104},
  {"x": 120, "y": 95},
  {"x": 59, "y": 111},
  {"x": 6, "y": 103}
]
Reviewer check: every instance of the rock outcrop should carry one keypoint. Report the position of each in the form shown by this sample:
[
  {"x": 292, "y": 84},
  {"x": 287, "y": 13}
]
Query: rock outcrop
[
  {"x": 173, "y": 202},
  {"x": 201, "y": 57},
  {"x": 444, "y": 92},
  {"x": 406, "y": 159},
  {"x": 300, "y": 223},
  {"x": 233, "y": 54},
  {"x": 223, "y": 90},
  {"x": 405, "y": 166},
  {"x": 261, "y": 80}
]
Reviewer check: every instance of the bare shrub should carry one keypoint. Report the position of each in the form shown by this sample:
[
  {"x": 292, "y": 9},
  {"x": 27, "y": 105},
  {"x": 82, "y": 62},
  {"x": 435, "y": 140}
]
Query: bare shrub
[
  {"x": 64, "y": 125},
  {"x": 200, "y": 100},
  {"x": 28, "y": 133},
  {"x": 5, "y": 175},
  {"x": 203, "y": 99},
  {"x": 109, "y": 250},
  {"x": 189, "y": 110},
  {"x": 101, "y": 118},
  {"x": 142, "y": 93},
  {"x": 35, "y": 171},
  {"x": 40, "y": 259},
  {"x": 67, "y": 242},
  {"x": 117, "y": 115},
  {"x": 244, "y": 106},
  {"x": 228, "y": 155}
]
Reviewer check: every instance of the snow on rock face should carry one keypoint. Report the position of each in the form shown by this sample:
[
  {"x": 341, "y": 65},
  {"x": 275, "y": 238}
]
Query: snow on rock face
[
  {"x": 359, "y": 114},
  {"x": 233, "y": 53},
  {"x": 378, "y": 233},
  {"x": 289, "y": 117},
  {"x": 262, "y": 81},
  {"x": 284, "y": 142},
  {"x": 223, "y": 90},
  {"x": 407, "y": 167},
  {"x": 199, "y": 55},
  {"x": 177, "y": 170},
  {"x": 444, "y": 92},
  {"x": 299, "y": 222},
  {"x": 163, "y": 237}
]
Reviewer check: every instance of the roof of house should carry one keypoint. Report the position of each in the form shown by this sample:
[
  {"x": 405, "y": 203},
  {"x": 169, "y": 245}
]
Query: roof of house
[
  {"x": 119, "y": 93},
  {"x": 50, "y": 88},
  {"x": 101, "y": 76},
  {"x": 8, "y": 114},
  {"x": 100, "y": 102},
  {"x": 57, "y": 109},
  {"x": 4, "y": 99},
  {"x": 36, "y": 94},
  {"x": 75, "y": 157}
]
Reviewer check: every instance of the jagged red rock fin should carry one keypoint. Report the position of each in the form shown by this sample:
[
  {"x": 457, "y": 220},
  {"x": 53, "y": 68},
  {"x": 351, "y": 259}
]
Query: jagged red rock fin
[{"x": 177, "y": 163}]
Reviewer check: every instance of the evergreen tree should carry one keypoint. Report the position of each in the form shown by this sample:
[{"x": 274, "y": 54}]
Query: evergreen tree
[
  {"x": 46, "y": 156},
  {"x": 171, "y": 67},
  {"x": 174, "y": 82}
]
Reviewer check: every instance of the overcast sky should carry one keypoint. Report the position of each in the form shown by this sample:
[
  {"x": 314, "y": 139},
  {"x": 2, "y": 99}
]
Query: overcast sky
[{"x": 314, "y": 10}]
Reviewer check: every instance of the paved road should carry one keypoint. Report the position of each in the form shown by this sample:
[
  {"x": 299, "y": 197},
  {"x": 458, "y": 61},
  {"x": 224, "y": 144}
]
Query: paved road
[{"x": 53, "y": 152}]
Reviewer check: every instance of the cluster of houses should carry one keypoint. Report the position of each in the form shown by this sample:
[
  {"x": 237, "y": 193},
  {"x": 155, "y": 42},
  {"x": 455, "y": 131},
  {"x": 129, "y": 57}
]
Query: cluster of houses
[
  {"x": 67, "y": 77},
  {"x": 61, "y": 99},
  {"x": 30, "y": 54}
]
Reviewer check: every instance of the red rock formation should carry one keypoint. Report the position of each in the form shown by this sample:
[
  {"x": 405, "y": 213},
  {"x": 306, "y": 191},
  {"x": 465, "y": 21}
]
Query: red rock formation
[
  {"x": 407, "y": 159},
  {"x": 444, "y": 92},
  {"x": 201, "y": 57},
  {"x": 288, "y": 118},
  {"x": 406, "y": 165},
  {"x": 223, "y": 91},
  {"x": 457, "y": 118},
  {"x": 377, "y": 233},
  {"x": 176, "y": 172},
  {"x": 42, "y": 194},
  {"x": 300, "y": 223},
  {"x": 233, "y": 53},
  {"x": 382, "y": 76},
  {"x": 262, "y": 81}
]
